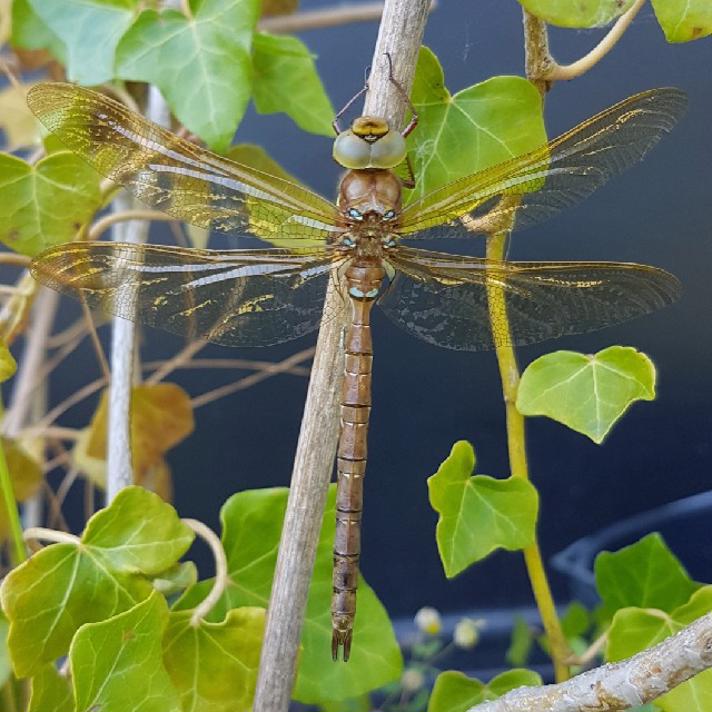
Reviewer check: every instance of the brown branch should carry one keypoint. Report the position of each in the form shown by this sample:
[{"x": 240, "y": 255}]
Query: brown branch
[
  {"x": 324, "y": 17},
  {"x": 400, "y": 35},
  {"x": 619, "y": 686}
]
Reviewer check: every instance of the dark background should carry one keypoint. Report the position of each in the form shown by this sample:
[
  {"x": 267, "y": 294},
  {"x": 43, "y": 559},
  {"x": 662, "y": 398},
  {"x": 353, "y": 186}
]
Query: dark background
[{"x": 427, "y": 398}]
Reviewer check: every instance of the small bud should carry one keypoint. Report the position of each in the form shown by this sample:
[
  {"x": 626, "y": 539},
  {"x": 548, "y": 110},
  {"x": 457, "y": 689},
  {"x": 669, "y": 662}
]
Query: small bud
[
  {"x": 466, "y": 634},
  {"x": 428, "y": 620},
  {"x": 412, "y": 680}
]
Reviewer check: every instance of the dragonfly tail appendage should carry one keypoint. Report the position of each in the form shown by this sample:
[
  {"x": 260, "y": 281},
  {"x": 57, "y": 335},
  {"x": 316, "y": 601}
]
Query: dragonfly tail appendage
[{"x": 352, "y": 453}]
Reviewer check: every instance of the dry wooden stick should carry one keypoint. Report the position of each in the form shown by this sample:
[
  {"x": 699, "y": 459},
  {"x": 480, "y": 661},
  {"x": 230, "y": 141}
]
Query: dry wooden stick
[
  {"x": 400, "y": 35},
  {"x": 619, "y": 686}
]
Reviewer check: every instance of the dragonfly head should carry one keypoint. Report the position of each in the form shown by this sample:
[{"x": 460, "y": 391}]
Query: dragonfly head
[
  {"x": 369, "y": 143},
  {"x": 369, "y": 198}
]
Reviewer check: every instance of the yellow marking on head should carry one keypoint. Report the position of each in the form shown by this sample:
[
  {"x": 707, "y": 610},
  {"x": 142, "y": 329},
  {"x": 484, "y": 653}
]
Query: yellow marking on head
[{"x": 370, "y": 126}]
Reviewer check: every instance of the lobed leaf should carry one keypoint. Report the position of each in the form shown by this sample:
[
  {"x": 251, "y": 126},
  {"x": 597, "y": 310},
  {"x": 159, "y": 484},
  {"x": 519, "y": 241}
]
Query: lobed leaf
[
  {"x": 477, "y": 127},
  {"x": 45, "y": 204},
  {"x": 214, "y": 665},
  {"x": 117, "y": 664},
  {"x": 684, "y": 20},
  {"x": 62, "y": 587},
  {"x": 645, "y": 574},
  {"x": 286, "y": 80},
  {"x": 587, "y": 393},
  {"x": 16, "y": 120},
  {"x": 200, "y": 63},
  {"x": 455, "y": 692},
  {"x": 90, "y": 31},
  {"x": 478, "y": 514},
  {"x": 579, "y": 14},
  {"x": 252, "y": 523},
  {"x": 635, "y": 629}
]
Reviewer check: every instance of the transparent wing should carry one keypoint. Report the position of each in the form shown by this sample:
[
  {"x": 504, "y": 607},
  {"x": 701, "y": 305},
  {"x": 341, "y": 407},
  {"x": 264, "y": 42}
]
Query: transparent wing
[
  {"x": 446, "y": 299},
  {"x": 176, "y": 176},
  {"x": 232, "y": 297},
  {"x": 532, "y": 187}
]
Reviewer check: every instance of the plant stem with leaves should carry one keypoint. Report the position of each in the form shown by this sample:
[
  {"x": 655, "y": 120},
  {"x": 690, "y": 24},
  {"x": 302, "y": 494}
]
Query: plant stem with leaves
[{"x": 516, "y": 444}]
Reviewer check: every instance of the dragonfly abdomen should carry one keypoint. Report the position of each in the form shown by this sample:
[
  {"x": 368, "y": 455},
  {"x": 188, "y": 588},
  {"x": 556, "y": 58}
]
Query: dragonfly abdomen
[{"x": 352, "y": 452}]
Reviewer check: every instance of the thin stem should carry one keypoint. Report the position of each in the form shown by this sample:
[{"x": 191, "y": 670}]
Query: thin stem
[
  {"x": 590, "y": 60},
  {"x": 103, "y": 224},
  {"x": 44, "y": 534},
  {"x": 516, "y": 444},
  {"x": 252, "y": 379},
  {"x": 221, "y": 575},
  {"x": 98, "y": 349},
  {"x": 323, "y": 17},
  {"x": 178, "y": 361},
  {"x": 18, "y": 550}
]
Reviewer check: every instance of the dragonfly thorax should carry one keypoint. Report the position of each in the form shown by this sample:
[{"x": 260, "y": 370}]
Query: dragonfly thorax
[
  {"x": 369, "y": 143},
  {"x": 370, "y": 200}
]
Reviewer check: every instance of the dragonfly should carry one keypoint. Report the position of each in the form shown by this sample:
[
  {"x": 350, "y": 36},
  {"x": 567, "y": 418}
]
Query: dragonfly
[{"x": 363, "y": 242}]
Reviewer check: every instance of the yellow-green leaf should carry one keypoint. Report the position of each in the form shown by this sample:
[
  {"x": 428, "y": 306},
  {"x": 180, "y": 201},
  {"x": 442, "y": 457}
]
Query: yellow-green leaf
[
  {"x": 117, "y": 664},
  {"x": 90, "y": 30},
  {"x": 455, "y": 692},
  {"x": 214, "y": 665},
  {"x": 478, "y": 514},
  {"x": 8, "y": 365},
  {"x": 201, "y": 63},
  {"x": 684, "y": 20},
  {"x": 286, "y": 80},
  {"x": 45, "y": 204},
  {"x": 582, "y": 13},
  {"x": 63, "y": 586},
  {"x": 588, "y": 393},
  {"x": 480, "y": 126},
  {"x": 25, "y": 474}
]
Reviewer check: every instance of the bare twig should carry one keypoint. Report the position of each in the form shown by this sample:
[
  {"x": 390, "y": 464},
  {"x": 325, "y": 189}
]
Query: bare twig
[
  {"x": 618, "y": 686},
  {"x": 103, "y": 224},
  {"x": 400, "y": 35},
  {"x": 253, "y": 378},
  {"x": 119, "y": 471},
  {"x": 323, "y": 17},
  {"x": 177, "y": 361}
]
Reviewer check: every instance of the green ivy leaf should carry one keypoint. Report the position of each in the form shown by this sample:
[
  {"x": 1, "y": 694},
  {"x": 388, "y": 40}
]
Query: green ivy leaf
[
  {"x": 201, "y": 63},
  {"x": 50, "y": 692},
  {"x": 587, "y": 393},
  {"x": 455, "y": 692},
  {"x": 64, "y": 586},
  {"x": 45, "y": 204},
  {"x": 635, "y": 629},
  {"x": 478, "y": 514},
  {"x": 684, "y": 20},
  {"x": 214, "y": 665},
  {"x": 30, "y": 32},
  {"x": 176, "y": 579},
  {"x": 499, "y": 118},
  {"x": 286, "y": 80},
  {"x": 90, "y": 30},
  {"x": 252, "y": 523},
  {"x": 645, "y": 574},
  {"x": 117, "y": 664},
  {"x": 582, "y": 13}
]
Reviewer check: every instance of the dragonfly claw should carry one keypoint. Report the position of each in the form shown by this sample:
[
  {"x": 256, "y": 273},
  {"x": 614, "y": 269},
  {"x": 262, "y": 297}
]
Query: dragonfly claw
[{"x": 341, "y": 638}]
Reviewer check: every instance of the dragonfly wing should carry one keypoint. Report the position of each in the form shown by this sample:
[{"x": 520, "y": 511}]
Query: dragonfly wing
[
  {"x": 446, "y": 299},
  {"x": 535, "y": 186},
  {"x": 232, "y": 297},
  {"x": 177, "y": 176}
]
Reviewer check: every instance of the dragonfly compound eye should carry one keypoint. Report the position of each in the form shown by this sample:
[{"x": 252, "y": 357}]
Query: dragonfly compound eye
[
  {"x": 352, "y": 151},
  {"x": 388, "y": 151}
]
